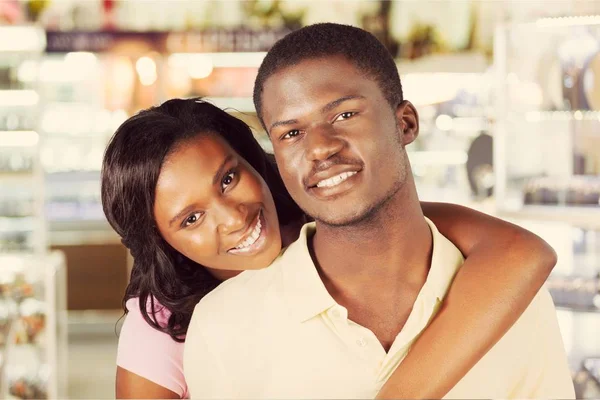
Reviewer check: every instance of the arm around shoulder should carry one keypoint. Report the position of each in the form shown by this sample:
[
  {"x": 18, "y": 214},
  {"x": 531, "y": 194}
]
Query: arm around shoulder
[
  {"x": 548, "y": 359},
  {"x": 504, "y": 269}
]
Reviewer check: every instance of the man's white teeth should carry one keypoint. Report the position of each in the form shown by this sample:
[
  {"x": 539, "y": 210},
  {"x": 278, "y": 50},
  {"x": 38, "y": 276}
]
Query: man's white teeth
[
  {"x": 336, "y": 180},
  {"x": 250, "y": 240}
]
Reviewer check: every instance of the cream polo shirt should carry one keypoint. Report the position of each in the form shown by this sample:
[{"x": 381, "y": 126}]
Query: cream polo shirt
[{"x": 277, "y": 333}]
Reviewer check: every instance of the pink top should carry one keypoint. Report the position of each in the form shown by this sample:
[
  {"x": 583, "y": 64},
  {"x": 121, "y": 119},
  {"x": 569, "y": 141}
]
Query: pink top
[{"x": 149, "y": 353}]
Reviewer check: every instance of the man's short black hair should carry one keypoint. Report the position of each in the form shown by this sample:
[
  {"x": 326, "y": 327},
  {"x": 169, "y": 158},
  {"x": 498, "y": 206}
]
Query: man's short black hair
[{"x": 327, "y": 39}]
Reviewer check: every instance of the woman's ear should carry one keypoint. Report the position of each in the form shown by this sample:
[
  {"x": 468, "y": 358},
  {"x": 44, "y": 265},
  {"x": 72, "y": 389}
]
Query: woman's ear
[{"x": 408, "y": 122}]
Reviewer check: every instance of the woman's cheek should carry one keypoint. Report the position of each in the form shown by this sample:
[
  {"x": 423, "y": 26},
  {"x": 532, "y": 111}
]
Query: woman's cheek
[
  {"x": 249, "y": 190},
  {"x": 202, "y": 245}
]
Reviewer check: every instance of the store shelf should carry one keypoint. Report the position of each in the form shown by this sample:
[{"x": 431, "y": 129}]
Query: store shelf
[
  {"x": 577, "y": 309},
  {"x": 78, "y": 177},
  {"x": 77, "y": 232},
  {"x": 22, "y": 39},
  {"x": 572, "y": 115},
  {"x": 433, "y": 157},
  {"x": 18, "y": 177},
  {"x": 585, "y": 217},
  {"x": 18, "y": 98},
  {"x": 17, "y": 224}
]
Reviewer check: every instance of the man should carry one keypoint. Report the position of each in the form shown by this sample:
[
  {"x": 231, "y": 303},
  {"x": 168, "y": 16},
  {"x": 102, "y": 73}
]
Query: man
[{"x": 340, "y": 308}]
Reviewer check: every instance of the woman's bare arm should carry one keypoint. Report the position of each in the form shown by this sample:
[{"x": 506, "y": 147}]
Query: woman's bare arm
[
  {"x": 132, "y": 386},
  {"x": 505, "y": 267}
]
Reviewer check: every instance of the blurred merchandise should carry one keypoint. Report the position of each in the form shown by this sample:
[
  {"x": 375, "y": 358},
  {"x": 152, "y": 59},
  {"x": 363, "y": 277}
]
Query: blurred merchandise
[
  {"x": 547, "y": 162},
  {"x": 587, "y": 379},
  {"x": 424, "y": 27},
  {"x": 447, "y": 159},
  {"x": 480, "y": 166},
  {"x": 548, "y": 147},
  {"x": 575, "y": 292},
  {"x": 35, "y": 8},
  {"x": 592, "y": 367},
  {"x": 578, "y": 190},
  {"x": 11, "y": 12},
  {"x": 33, "y": 326}
]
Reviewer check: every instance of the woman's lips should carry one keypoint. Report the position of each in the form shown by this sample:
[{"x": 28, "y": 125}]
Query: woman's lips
[{"x": 255, "y": 241}]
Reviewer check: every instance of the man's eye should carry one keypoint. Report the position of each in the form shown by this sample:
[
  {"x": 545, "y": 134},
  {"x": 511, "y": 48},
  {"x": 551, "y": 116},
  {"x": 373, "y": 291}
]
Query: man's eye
[
  {"x": 291, "y": 134},
  {"x": 345, "y": 115},
  {"x": 228, "y": 179},
  {"x": 192, "y": 219}
]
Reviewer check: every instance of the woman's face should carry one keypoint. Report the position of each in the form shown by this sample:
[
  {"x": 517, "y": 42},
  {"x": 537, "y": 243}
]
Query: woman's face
[{"x": 215, "y": 209}]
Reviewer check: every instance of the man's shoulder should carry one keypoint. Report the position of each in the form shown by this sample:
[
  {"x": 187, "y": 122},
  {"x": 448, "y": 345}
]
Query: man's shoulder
[
  {"x": 541, "y": 310},
  {"x": 540, "y": 315},
  {"x": 541, "y": 307}
]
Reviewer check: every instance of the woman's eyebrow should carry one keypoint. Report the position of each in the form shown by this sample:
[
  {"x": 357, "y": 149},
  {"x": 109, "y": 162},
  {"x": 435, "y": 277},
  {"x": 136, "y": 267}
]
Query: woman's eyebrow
[{"x": 221, "y": 169}]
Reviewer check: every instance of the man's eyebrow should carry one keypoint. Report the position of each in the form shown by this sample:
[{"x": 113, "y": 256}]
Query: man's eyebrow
[
  {"x": 282, "y": 123},
  {"x": 330, "y": 106},
  {"x": 326, "y": 108}
]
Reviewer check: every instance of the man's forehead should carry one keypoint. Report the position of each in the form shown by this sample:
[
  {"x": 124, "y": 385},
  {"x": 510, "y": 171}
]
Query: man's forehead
[{"x": 301, "y": 87}]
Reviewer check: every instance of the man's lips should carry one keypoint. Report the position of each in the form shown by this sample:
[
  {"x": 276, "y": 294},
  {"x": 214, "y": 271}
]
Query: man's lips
[{"x": 330, "y": 173}]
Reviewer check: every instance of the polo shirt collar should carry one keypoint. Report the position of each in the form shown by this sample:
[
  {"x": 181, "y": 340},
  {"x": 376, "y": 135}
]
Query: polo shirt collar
[
  {"x": 307, "y": 296},
  {"x": 446, "y": 259},
  {"x": 303, "y": 288}
]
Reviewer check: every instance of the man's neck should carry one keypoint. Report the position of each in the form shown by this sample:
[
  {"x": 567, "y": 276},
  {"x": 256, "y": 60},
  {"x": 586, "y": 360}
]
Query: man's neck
[
  {"x": 377, "y": 269},
  {"x": 395, "y": 243}
]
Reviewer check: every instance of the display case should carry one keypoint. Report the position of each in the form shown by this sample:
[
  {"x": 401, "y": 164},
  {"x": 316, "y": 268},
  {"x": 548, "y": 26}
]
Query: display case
[
  {"x": 22, "y": 225},
  {"x": 32, "y": 281},
  {"x": 547, "y": 154},
  {"x": 451, "y": 159},
  {"x": 547, "y": 165},
  {"x": 33, "y": 326}
]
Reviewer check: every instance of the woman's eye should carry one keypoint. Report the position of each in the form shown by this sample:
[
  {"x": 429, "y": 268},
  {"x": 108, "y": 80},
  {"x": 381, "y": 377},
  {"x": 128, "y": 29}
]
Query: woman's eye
[
  {"x": 192, "y": 219},
  {"x": 228, "y": 180},
  {"x": 291, "y": 134},
  {"x": 345, "y": 115}
]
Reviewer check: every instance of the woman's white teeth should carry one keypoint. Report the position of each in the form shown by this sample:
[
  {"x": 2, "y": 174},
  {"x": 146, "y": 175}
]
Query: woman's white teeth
[
  {"x": 336, "y": 180},
  {"x": 250, "y": 240}
]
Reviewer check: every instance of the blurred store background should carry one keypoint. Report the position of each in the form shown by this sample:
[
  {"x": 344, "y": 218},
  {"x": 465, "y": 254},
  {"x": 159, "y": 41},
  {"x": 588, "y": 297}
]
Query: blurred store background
[{"x": 509, "y": 99}]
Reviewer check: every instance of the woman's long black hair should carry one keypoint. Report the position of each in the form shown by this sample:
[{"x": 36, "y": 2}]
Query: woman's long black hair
[{"x": 130, "y": 170}]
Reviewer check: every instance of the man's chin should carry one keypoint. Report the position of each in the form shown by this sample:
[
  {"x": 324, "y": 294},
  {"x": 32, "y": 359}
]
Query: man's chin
[
  {"x": 350, "y": 216},
  {"x": 343, "y": 219}
]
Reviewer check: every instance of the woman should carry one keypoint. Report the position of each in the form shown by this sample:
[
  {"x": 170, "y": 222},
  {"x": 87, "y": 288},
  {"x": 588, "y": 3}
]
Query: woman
[{"x": 179, "y": 183}]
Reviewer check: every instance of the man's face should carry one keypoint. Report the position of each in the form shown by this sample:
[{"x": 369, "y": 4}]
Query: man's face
[{"x": 337, "y": 141}]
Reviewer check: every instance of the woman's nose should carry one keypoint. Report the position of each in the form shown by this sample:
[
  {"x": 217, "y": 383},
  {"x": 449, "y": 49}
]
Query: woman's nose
[{"x": 231, "y": 217}]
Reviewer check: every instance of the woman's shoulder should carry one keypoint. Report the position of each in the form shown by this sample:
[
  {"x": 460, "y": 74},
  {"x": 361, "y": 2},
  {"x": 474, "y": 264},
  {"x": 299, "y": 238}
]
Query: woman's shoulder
[
  {"x": 148, "y": 352},
  {"x": 160, "y": 312}
]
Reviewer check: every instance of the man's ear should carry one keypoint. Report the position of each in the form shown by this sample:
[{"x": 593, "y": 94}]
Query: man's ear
[{"x": 407, "y": 119}]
